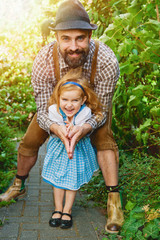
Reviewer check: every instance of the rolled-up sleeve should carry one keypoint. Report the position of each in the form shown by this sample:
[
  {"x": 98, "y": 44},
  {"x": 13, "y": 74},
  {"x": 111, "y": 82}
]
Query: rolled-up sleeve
[
  {"x": 107, "y": 75},
  {"x": 43, "y": 82}
]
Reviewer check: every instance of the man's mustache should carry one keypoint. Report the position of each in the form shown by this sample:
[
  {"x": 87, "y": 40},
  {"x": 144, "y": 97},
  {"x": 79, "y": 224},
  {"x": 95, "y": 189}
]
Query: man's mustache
[{"x": 75, "y": 52}]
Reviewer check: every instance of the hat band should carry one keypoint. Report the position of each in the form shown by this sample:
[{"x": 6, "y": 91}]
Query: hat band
[{"x": 72, "y": 19}]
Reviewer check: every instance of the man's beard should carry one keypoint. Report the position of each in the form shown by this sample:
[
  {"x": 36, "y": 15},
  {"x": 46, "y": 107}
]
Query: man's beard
[{"x": 74, "y": 62}]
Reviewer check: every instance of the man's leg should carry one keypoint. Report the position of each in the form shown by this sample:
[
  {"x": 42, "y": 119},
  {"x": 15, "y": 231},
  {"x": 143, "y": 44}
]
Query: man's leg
[
  {"x": 109, "y": 162},
  {"x": 108, "y": 159},
  {"x": 109, "y": 166},
  {"x": 25, "y": 163},
  {"x": 27, "y": 156}
]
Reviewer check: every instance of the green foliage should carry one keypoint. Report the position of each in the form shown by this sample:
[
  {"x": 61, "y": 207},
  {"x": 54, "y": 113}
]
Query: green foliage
[
  {"x": 4, "y": 204},
  {"x": 18, "y": 48},
  {"x": 132, "y": 30},
  {"x": 7, "y": 155},
  {"x": 139, "y": 187},
  {"x": 136, "y": 117}
]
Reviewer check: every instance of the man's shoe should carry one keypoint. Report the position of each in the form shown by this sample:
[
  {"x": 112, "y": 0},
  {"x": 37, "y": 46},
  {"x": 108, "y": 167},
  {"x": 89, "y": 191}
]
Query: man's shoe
[
  {"x": 16, "y": 191},
  {"x": 115, "y": 213}
]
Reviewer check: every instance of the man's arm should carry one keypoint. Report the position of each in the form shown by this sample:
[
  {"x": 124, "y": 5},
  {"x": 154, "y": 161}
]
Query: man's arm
[
  {"x": 43, "y": 82},
  {"x": 107, "y": 75}
]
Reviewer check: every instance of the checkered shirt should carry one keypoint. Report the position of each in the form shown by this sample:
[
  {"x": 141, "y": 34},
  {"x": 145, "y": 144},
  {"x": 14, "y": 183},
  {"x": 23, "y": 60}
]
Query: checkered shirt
[{"x": 44, "y": 81}]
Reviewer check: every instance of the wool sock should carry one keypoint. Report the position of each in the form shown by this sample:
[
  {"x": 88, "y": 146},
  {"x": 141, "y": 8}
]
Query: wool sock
[
  {"x": 23, "y": 178},
  {"x": 112, "y": 188}
]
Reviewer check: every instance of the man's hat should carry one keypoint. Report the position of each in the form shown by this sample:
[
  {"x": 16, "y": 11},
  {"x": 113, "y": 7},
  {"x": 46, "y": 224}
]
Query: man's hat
[{"x": 72, "y": 15}]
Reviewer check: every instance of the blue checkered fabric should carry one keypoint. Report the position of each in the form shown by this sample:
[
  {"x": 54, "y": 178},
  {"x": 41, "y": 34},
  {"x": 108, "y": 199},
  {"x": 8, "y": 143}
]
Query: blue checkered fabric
[{"x": 65, "y": 173}]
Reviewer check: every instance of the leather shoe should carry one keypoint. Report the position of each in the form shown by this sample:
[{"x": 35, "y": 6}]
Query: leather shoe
[
  {"x": 114, "y": 212},
  {"x": 55, "y": 222},
  {"x": 66, "y": 223},
  {"x": 15, "y": 191}
]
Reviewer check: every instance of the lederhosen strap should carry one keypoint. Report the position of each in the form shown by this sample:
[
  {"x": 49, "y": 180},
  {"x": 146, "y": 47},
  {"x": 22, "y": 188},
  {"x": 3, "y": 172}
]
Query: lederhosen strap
[
  {"x": 93, "y": 68},
  {"x": 94, "y": 63},
  {"x": 56, "y": 62}
]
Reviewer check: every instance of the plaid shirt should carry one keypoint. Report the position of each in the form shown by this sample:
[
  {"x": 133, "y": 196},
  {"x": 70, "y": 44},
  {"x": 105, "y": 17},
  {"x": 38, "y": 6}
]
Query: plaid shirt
[{"x": 44, "y": 81}]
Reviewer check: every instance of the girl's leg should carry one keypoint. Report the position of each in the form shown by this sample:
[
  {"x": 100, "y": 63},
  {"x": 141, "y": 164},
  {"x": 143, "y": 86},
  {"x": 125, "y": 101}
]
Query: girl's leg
[
  {"x": 69, "y": 200},
  {"x": 58, "y": 201}
]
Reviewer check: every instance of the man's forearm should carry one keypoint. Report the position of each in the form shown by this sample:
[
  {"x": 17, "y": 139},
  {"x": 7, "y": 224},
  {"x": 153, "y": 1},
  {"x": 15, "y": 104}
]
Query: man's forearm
[
  {"x": 54, "y": 128},
  {"x": 87, "y": 128}
]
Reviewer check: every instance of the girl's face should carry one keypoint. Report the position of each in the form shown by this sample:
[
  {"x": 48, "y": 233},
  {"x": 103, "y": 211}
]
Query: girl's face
[{"x": 71, "y": 101}]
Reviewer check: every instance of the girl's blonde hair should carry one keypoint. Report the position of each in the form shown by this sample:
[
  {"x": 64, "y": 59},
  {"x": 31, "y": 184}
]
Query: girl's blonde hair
[{"x": 75, "y": 75}]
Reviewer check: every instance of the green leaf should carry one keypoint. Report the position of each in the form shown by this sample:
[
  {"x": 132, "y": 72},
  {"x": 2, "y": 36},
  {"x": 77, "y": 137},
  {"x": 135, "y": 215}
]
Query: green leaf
[
  {"x": 138, "y": 91},
  {"x": 139, "y": 236},
  {"x": 151, "y": 230},
  {"x": 145, "y": 137},
  {"x": 127, "y": 68},
  {"x": 155, "y": 24},
  {"x": 129, "y": 222},
  {"x": 140, "y": 215},
  {"x": 155, "y": 111},
  {"x": 133, "y": 228},
  {"x": 133, "y": 101},
  {"x": 145, "y": 125},
  {"x": 130, "y": 205}
]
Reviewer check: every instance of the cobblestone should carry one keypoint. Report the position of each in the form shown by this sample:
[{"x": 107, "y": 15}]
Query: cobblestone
[{"x": 28, "y": 218}]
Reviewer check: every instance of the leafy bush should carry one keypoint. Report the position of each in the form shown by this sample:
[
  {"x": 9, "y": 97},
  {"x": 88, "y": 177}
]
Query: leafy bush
[
  {"x": 131, "y": 30},
  {"x": 139, "y": 188},
  {"x": 7, "y": 155},
  {"x": 18, "y": 48}
]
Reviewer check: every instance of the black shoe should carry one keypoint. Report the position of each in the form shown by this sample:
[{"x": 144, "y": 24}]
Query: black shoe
[
  {"x": 66, "y": 223},
  {"x": 55, "y": 222}
]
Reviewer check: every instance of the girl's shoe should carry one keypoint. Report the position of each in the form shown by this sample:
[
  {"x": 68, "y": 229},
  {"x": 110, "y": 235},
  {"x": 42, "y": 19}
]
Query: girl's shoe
[
  {"x": 66, "y": 223},
  {"x": 55, "y": 222}
]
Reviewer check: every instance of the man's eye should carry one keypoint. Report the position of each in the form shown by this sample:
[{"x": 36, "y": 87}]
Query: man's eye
[
  {"x": 65, "y": 38},
  {"x": 81, "y": 38}
]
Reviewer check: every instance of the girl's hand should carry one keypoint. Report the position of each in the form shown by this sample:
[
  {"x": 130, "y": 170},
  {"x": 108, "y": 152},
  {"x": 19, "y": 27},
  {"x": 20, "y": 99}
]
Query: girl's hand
[
  {"x": 69, "y": 126},
  {"x": 61, "y": 132},
  {"x": 75, "y": 134}
]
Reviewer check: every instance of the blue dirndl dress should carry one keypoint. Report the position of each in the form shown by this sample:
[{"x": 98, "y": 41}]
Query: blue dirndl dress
[{"x": 62, "y": 172}]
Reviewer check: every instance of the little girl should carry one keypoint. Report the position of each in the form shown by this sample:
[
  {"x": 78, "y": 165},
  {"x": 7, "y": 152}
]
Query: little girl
[{"x": 72, "y": 103}]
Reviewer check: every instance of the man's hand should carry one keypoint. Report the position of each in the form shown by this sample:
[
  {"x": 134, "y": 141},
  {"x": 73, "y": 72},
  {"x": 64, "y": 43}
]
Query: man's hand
[{"x": 75, "y": 134}]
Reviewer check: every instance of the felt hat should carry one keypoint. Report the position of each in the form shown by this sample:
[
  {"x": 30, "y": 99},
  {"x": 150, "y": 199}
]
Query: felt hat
[{"x": 72, "y": 15}]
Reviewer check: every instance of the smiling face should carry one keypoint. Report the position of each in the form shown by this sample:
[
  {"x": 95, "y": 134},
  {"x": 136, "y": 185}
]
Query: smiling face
[
  {"x": 74, "y": 46},
  {"x": 71, "y": 101}
]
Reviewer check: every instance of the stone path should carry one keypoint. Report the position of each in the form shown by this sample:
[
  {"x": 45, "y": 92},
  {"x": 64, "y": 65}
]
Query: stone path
[{"x": 28, "y": 219}]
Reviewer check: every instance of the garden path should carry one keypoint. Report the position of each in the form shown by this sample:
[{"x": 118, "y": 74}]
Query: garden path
[{"x": 28, "y": 218}]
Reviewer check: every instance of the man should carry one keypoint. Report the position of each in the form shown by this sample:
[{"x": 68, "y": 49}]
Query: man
[{"x": 74, "y": 48}]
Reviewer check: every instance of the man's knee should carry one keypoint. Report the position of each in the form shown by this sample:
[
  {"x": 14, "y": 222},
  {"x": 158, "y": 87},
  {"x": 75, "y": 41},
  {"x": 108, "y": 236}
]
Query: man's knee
[
  {"x": 108, "y": 154},
  {"x": 29, "y": 145},
  {"x": 32, "y": 140}
]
